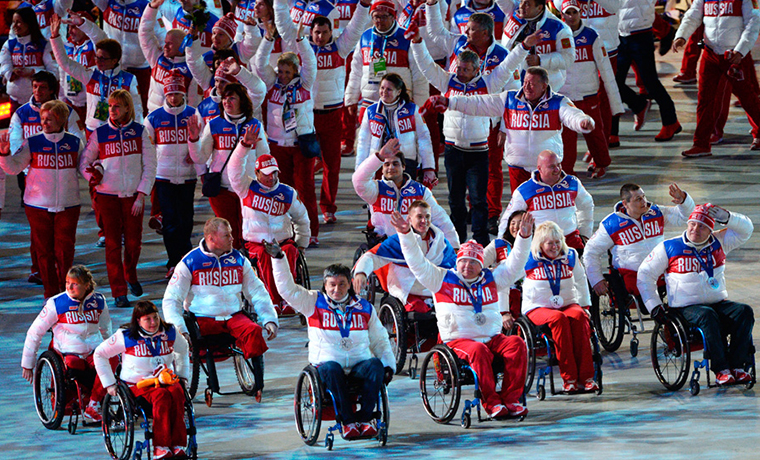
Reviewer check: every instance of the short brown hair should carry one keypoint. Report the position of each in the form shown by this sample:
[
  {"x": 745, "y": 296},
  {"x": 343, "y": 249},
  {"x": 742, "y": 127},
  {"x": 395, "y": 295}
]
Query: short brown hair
[
  {"x": 212, "y": 225},
  {"x": 110, "y": 46}
]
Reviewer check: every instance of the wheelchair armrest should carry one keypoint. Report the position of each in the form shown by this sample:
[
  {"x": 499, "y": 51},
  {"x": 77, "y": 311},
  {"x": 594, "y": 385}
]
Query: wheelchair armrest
[{"x": 191, "y": 323}]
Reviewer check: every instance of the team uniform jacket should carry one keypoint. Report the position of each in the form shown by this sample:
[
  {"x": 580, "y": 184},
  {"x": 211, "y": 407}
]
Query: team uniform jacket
[
  {"x": 591, "y": 60},
  {"x": 125, "y": 155},
  {"x": 556, "y": 50},
  {"x": 367, "y": 334},
  {"x": 121, "y": 22},
  {"x": 256, "y": 89},
  {"x": 167, "y": 129},
  {"x": 462, "y": 15},
  {"x": 566, "y": 203},
  {"x": 635, "y": 16},
  {"x": 630, "y": 240},
  {"x": 364, "y": 84},
  {"x": 453, "y": 297},
  {"x": 74, "y": 332},
  {"x": 268, "y": 213},
  {"x": 387, "y": 261},
  {"x": 330, "y": 85},
  {"x": 84, "y": 54},
  {"x": 405, "y": 124},
  {"x": 468, "y": 132},
  {"x": 180, "y": 22},
  {"x": 685, "y": 278},
  {"x": 200, "y": 60},
  {"x": 209, "y": 107},
  {"x": 45, "y": 9},
  {"x": 137, "y": 359},
  {"x": 23, "y": 52},
  {"x": 309, "y": 9},
  {"x": 529, "y": 129},
  {"x": 731, "y": 25},
  {"x": 602, "y": 16},
  {"x": 52, "y": 181},
  {"x": 573, "y": 286},
  {"x": 26, "y": 122},
  {"x": 346, "y": 10},
  {"x": 383, "y": 198}
]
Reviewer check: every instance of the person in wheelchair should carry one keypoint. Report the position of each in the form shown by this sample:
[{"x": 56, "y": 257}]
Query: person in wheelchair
[
  {"x": 693, "y": 264},
  {"x": 208, "y": 282},
  {"x": 497, "y": 252},
  {"x": 387, "y": 261},
  {"x": 630, "y": 233},
  {"x": 80, "y": 320},
  {"x": 467, "y": 310},
  {"x": 346, "y": 340},
  {"x": 395, "y": 192},
  {"x": 271, "y": 210},
  {"x": 555, "y": 293},
  {"x": 151, "y": 350}
]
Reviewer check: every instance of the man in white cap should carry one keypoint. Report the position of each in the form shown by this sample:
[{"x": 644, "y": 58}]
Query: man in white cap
[{"x": 694, "y": 265}]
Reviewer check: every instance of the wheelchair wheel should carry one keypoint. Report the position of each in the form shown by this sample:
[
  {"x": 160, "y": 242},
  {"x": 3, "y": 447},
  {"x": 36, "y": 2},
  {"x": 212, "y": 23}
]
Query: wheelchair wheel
[
  {"x": 119, "y": 423},
  {"x": 393, "y": 316},
  {"x": 195, "y": 364},
  {"x": 382, "y": 436},
  {"x": 250, "y": 373},
  {"x": 302, "y": 272},
  {"x": 524, "y": 329},
  {"x": 308, "y": 405},
  {"x": 670, "y": 353},
  {"x": 609, "y": 320},
  {"x": 50, "y": 389},
  {"x": 192, "y": 444},
  {"x": 439, "y": 384}
]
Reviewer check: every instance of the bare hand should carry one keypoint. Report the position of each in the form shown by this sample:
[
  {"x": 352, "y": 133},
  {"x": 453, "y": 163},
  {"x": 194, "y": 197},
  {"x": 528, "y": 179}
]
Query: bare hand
[
  {"x": 194, "y": 127},
  {"x": 55, "y": 24},
  {"x": 389, "y": 150},
  {"x": 139, "y": 204},
  {"x": 111, "y": 390},
  {"x": 359, "y": 282},
  {"x": 429, "y": 179},
  {"x": 679, "y": 196},
  {"x": 501, "y": 139},
  {"x": 156, "y": 4},
  {"x": 678, "y": 43},
  {"x": 533, "y": 39},
  {"x": 251, "y": 135},
  {"x": 271, "y": 330},
  {"x": 5, "y": 143},
  {"x": 526, "y": 225},
  {"x": 735, "y": 57},
  {"x": 399, "y": 223},
  {"x": 27, "y": 374},
  {"x": 75, "y": 19},
  {"x": 587, "y": 124},
  {"x": 602, "y": 288},
  {"x": 507, "y": 321},
  {"x": 533, "y": 60}
]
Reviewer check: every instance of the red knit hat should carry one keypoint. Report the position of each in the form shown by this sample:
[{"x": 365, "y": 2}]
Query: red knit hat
[
  {"x": 228, "y": 25},
  {"x": 174, "y": 83},
  {"x": 700, "y": 214},
  {"x": 383, "y": 5},
  {"x": 471, "y": 250},
  {"x": 220, "y": 75}
]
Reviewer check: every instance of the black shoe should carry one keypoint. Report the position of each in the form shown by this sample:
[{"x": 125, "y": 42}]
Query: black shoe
[
  {"x": 122, "y": 302},
  {"x": 493, "y": 225},
  {"x": 135, "y": 289},
  {"x": 35, "y": 278}
]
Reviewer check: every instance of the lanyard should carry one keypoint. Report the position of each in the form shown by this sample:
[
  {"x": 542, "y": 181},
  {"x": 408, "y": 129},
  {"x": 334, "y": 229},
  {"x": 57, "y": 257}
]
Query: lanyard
[
  {"x": 155, "y": 351},
  {"x": 553, "y": 272},
  {"x": 344, "y": 325},
  {"x": 706, "y": 266},
  {"x": 477, "y": 301},
  {"x": 104, "y": 94},
  {"x": 382, "y": 50}
]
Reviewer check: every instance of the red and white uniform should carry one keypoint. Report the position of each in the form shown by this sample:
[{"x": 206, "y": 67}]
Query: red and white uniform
[
  {"x": 635, "y": 16},
  {"x": 600, "y": 15},
  {"x": 71, "y": 88},
  {"x": 45, "y": 9},
  {"x": 167, "y": 129},
  {"x": 22, "y": 52},
  {"x": 121, "y": 22},
  {"x": 26, "y": 122},
  {"x": 573, "y": 285}
]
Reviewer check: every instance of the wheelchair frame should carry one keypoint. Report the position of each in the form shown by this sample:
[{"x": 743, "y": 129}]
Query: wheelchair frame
[
  {"x": 400, "y": 324},
  {"x": 309, "y": 410}
]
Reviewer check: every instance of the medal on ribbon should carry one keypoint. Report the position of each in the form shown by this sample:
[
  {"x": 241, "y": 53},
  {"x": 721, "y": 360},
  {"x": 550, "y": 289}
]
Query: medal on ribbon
[
  {"x": 155, "y": 351},
  {"x": 477, "y": 303},
  {"x": 344, "y": 326},
  {"x": 553, "y": 272},
  {"x": 708, "y": 268}
]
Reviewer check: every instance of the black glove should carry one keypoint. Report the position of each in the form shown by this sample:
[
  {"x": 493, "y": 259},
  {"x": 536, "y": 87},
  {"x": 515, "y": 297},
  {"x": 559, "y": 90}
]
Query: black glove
[
  {"x": 273, "y": 249},
  {"x": 388, "y": 375},
  {"x": 658, "y": 314}
]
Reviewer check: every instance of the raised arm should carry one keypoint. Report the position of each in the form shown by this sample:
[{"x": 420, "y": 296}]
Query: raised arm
[
  {"x": 308, "y": 63},
  {"x": 738, "y": 229},
  {"x": 364, "y": 181},
  {"x": 505, "y": 274},
  {"x": 441, "y": 37},
  {"x": 516, "y": 203},
  {"x": 353, "y": 31},
  {"x": 676, "y": 216},
  {"x": 299, "y": 298},
  {"x": 263, "y": 69},
  {"x": 437, "y": 77},
  {"x": 201, "y": 147},
  {"x": 198, "y": 68},
  {"x": 574, "y": 118},
  {"x": 149, "y": 44},
  {"x": 236, "y": 168},
  {"x": 440, "y": 218},
  {"x": 505, "y": 71},
  {"x": 426, "y": 272},
  {"x": 284, "y": 22},
  {"x": 487, "y": 105},
  {"x": 68, "y": 65},
  {"x": 258, "y": 296},
  {"x": 353, "y": 88}
]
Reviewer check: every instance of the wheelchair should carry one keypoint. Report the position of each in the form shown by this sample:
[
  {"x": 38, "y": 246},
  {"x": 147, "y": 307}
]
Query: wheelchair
[
  {"x": 313, "y": 404},
  {"x": 442, "y": 376},
  {"x": 211, "y": 349},
  {"x": 57, "y": 392},
  {"x": 410, "y": 333},
  {"x": 123, "y": 411},
  {"x": 374, "y": 287},
  {"x": 302, "y": 277},
  {"x": 541, "y": 345},
  {"x": 673, "y": 343}
]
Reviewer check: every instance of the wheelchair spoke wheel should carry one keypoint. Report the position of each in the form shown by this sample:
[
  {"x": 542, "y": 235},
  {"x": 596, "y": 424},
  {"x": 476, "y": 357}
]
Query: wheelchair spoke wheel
[
  {"x": 439, "y": 384},
  {"x": 393, "y": 315},
  {"x": 382, "y": 435},
  {"x": 118, "y": 424},
  {"x": 524, "y": 329},
  {"x": 49, "y": 390},
  {"x": 250, "y": 373},
  {"x": 308, "y": 405},
  {"x": 609, "y": 320},
  {"x": 195, "y": 362},
  {"x": 302, "y": 272},
  {"x": 670, "y": 354}
]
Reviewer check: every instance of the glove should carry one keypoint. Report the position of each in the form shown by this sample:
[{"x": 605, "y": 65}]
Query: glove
[
  {"x": 432, "y": 104},
  {"x": 658, "y": 314},
  {"x": 388, "y": 375},
  {"x": 96, "y": 175},
  {"x": 414, "y": 28},
  {"x": 273, "y": 249},
  {"x": 719, "y": 214}
]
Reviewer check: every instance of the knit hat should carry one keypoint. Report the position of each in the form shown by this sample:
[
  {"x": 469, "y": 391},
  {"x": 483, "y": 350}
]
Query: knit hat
[
  {"x": 383, "y": 5},
  {"x": 700, "y": 214},
  {"x": 228, "y": 25},
  {"x": 220, "y": 75},
  {"x": 174, "y": 83},
  {"x": 471, "y": 250},
  {"x": 267, "y": 164},
  {"x": 570, "y": 4}
]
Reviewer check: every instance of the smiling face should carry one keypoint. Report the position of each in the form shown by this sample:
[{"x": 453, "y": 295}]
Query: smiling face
[
  {"x": 389, "y": 93},
  {"x": 104, "y": 61},
  {"x": 20, "y": 28},
  {"x": 477, "y": 35},
  {"x": 336, "y": 287},
  {"x": 551, "y": 248},
  {"x": 42, "y": 92},
  {"x": 285, "y": 73},
  {"x": 697, "y": 232},
  {"x": 150, "y": 322},
  {"x": 549, "y": 167},
  {"x": 468, "y": 268},
  {"x": 75, "y": 288},
  {"x": 262, "y": 11},
  {"x": 528, "y": 9},
  {"x": 533, "y": 87},
  {"x": 118, "y": 111},
  {"x": 514, "y": 225},
  {"x": 50, "y": 122},
  {"x": 419, "y": 219},
  {"x": 393, "y": 169},
  {"x": 636, "y": 205},
  {"x": 231, "y": 104},
  {"x": 172, "y": 44},
  {"x": 219, "y": 39}
]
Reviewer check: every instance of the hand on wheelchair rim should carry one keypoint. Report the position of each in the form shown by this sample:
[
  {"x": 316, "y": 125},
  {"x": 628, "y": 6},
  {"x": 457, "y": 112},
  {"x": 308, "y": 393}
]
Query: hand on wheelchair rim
[{"x": 388, "y": 375}]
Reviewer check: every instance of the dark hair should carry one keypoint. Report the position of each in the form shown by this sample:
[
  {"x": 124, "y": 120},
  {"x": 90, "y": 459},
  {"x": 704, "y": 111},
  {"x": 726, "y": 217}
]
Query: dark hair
[
  {"x": 540, "y": 3},
  {"x": 246, "y": 106},
  {"x": 142, "y": 308},
  {"x": 321, "y": 21},
  {"x": 221, "y": 55},
  {"x": 506, "y": 235},
  {"x": 398, "y": 82},
  {"x": 43, "y": 76},
  {"x": 338, "y": 270},
  {"x": 29, "y": 17},
  {"x": 112, "y": 47},
  {"x": 626, "y": 191}
]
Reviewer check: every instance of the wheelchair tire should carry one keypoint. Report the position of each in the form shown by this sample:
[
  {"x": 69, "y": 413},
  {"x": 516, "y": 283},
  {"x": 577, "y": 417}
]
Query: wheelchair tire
[
  {"x": 608, "y": 319},
  {"x": 440, "y": 388},
  {"x": 382, "y": 435},
  {"x": 302, "y": 272},
  {"x": 393, "y": 316},
  {"x": 307, "y": 404},
  {"x": 670, "y": 355},
  {"x": 50, "y": 389},
  {"x": 195, "y": 364},
  {"x": 525, "y": 329},
  {"x": 250, "y": 373},
  {"x": 119, "y": 423},
  {"x": 192, "y": 444}
]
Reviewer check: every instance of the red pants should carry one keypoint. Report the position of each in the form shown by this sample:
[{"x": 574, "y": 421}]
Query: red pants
[
  {"x": 604, "y": 100},
  {"x": 595, "y": 140},
  {"x": 629, "y": 278},
  {"x": 53, "y": 236},
  {"x": 712, "y": 73},
  {"x": 495, "y": 174},
  {"x": 264, "y": 264},
  {"x": 723, "y": 103},
  {"x": 248, "y": 336},
  {"x": 143, "y": 85},
  {"x": 417, "y": 304},
  {"x": 227, "y": 206},
  {"x": 327, "y": 125},
  {"x": 480, "y": 356},
  {"x": 431, "y": 121},
  {"x": 298, "y": 171},
  {"x": 117, "y": 221},
  {"x": 98, "y": 219},
  {"x": 155, "y": 205},
  {"x": 574, "y": 241},
  {"x": 84, "y": 370},
  {"x": 691, "y": 53},
  {"x": 571, "y": 332},
  {"x": 517, "y": 176},
  {"x": 168, "y": 403}
]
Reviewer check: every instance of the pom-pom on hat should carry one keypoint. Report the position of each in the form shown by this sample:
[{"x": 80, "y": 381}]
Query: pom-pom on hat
[{"x": 228, "y": 25}]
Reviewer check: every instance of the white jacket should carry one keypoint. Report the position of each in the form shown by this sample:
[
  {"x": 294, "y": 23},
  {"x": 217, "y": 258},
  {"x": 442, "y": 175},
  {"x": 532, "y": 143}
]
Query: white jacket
[
  {"x": 167, "y": 129},
  {"x": 600, "y": 15},
  {"x": 21, "y": 52},
  {"x": 529, "y": 129},
  {"x": 26, "y": 122},
  {"x": 84, "y": 54},
  {"x": 573, "y": 288},
  {"x": 635, "y": 16},
  {"x": 196, "y": 59},
  {"x": 630, "y": 240},
  {"x": 727, "y": 27},
  {"x": 453, "y": 307},
  {"x": 368, "y": 336},
  {"x": 121, "y": 22}
]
